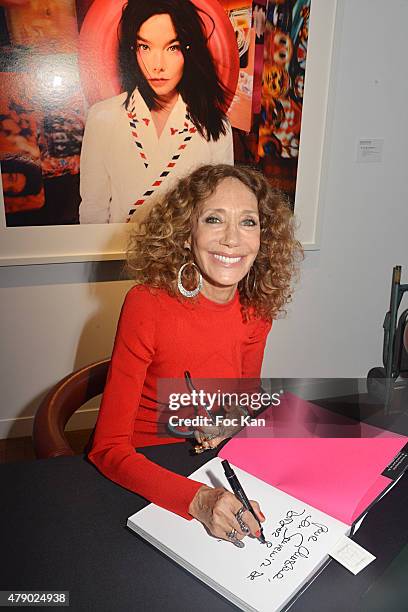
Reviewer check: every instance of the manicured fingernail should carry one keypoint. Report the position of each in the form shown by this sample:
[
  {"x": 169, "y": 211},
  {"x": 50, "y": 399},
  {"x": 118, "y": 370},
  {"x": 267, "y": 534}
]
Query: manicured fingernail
[
  {"x": 245, "y": 529},
  {"x": 258, "y": 533},
  {"x": 261, "y": 515},
  {"x": 238, "y": 544}
]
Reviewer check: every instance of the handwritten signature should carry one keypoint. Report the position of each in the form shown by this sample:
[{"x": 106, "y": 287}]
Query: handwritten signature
[{"x": 298, "y": 540}]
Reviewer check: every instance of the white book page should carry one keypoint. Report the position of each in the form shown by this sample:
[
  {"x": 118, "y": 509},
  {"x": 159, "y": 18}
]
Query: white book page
[{"x": 261, "y": 577}]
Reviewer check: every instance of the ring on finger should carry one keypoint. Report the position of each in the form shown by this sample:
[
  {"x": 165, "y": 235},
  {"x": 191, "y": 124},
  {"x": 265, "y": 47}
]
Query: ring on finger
[
  {"x": 231, "y": 535},
  {"x": 238, "y": 515},
  {"x": 243, "y": 526}
]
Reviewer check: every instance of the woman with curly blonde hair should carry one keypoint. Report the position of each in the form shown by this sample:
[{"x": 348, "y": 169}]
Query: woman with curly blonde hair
[
  {"x": 156, "y": 254},
  {"x": 213, "y": 265}
]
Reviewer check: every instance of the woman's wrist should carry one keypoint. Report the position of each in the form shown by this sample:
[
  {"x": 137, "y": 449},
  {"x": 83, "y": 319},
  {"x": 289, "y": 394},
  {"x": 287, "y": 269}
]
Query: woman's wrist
[
  {"x": 237, "y": 411},
  {"x": 198, "y": 507}
]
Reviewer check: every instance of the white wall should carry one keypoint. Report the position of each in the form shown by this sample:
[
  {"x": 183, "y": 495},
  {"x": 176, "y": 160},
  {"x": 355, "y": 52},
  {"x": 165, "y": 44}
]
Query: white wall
[
  {"x": 55, "y": 318},
  {"x": 334, "y": 327}
]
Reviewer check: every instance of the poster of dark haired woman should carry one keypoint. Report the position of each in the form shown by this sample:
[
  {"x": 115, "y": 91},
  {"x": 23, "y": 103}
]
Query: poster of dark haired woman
[
  {"x": 103, "y": 105},
  {"x": 156, "y": 127},
  {"x": 171, "y": 114}
]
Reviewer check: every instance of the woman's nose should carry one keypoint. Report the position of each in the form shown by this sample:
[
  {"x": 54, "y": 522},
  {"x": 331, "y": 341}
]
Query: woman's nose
[
  {"x": 230, "y": 235},
  {"x": 158, "y": 63}
]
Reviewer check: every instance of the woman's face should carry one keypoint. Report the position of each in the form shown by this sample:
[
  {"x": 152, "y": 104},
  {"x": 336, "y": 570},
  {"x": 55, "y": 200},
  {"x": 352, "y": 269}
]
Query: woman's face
[
  {"x": 159, "y": 55},
  {"x": 226, "y": 237}
]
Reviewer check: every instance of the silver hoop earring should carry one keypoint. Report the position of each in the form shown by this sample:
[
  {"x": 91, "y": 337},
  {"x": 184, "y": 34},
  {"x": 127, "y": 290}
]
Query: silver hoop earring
[
  {"x": 250, "y": 289},
  {"x": 182, "y": 289}
]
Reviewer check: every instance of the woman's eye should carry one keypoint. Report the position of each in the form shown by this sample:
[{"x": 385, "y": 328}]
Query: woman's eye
[
  {"x": 249, "y": 222},
  {"x": 212, "y": 219},
  {"x": 174, "y": 48},
  {"x": 142, "y": 47}
]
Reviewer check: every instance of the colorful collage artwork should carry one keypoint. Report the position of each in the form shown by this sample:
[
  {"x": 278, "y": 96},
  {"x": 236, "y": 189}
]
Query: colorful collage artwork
[
  {"x": 43, "y": 106},
  {"x": 272, "y": 144}
]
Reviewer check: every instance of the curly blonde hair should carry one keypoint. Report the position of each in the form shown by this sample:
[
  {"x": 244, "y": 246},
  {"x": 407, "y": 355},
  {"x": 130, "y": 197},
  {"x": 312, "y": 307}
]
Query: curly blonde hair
[{"x": 157, "y": 250}]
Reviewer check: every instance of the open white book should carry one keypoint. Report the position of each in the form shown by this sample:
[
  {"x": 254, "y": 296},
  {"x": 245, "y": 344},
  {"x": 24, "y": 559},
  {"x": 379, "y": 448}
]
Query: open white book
[{"x": 261, "y": 577}]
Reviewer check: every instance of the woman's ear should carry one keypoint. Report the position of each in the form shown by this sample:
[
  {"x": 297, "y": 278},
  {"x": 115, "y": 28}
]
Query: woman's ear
[{"x": 187, "y": 244}]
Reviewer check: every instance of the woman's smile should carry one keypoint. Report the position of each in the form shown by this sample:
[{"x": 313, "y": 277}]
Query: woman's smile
[{"x": 227, "y": 260}]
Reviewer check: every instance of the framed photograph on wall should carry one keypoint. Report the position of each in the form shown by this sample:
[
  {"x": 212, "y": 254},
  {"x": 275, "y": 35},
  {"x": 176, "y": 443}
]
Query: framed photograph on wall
[{"x": 50, "y": 77}]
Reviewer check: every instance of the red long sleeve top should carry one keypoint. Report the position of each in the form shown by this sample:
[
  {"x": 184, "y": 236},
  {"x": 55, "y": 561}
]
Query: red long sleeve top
[{"x": 160, "y": 337}]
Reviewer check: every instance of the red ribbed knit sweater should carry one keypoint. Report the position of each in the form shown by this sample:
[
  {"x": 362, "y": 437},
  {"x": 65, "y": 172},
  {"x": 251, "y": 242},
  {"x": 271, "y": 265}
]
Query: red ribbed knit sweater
[{"x": 160, "y": 337}]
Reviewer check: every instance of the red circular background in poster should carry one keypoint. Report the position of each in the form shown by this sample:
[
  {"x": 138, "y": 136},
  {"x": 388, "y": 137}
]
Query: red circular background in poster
[{"x": 98, "y": 47}]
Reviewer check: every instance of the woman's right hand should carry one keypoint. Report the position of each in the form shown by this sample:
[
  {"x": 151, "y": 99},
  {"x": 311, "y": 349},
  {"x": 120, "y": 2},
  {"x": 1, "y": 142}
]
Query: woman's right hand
[{"x": 216, "y": 508}]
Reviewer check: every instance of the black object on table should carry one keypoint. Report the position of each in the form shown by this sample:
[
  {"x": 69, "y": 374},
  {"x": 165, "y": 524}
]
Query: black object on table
[{"x": 63, "y": 527}]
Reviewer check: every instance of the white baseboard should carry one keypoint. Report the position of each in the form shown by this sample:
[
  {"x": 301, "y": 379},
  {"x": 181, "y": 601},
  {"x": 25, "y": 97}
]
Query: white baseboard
[{"x": 23, "y": 426}]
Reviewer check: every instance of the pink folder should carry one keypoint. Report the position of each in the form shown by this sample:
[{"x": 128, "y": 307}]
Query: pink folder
[{"x": 340, "y": 476}]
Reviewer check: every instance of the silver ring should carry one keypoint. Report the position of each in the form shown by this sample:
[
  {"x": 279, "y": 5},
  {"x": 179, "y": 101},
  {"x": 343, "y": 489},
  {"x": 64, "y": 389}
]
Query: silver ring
[
  {"x": 242, "y": 524},
  {"x": 240, "y": 512},
  {"x": 231, "y": 535}
]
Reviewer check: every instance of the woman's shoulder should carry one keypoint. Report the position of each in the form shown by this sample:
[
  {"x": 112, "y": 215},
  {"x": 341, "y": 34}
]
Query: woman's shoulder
[
  {"x": 158, "y": 303},
  {"x": 140, "y": 309},
  {"x": 147, "y": 298},
  {"x": 106, "y": 109},
  {"x": 142, "y": 293}
]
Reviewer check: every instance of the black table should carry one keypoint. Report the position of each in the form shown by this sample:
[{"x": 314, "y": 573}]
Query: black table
[{"x": 62, "y": 527}]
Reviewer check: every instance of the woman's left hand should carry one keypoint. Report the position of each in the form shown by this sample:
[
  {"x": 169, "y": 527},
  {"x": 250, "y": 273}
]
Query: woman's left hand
[{"x": 212, "y": 435}]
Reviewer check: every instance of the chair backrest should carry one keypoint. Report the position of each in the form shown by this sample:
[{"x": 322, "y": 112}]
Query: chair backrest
[{"x": 59, "y": 405}]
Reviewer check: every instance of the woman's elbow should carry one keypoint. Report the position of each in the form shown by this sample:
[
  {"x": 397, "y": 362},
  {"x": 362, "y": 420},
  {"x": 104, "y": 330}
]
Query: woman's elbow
[{"x": 109, "y": 456}]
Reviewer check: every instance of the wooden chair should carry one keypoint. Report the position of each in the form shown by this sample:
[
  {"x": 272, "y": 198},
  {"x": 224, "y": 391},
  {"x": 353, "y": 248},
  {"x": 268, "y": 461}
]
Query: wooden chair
[{"x": 59, "y": 405}]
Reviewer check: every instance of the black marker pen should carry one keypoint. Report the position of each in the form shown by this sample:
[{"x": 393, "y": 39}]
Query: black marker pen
[
  {"x": 198, "y": 448},
  {"x": 240, "y": 494}
]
